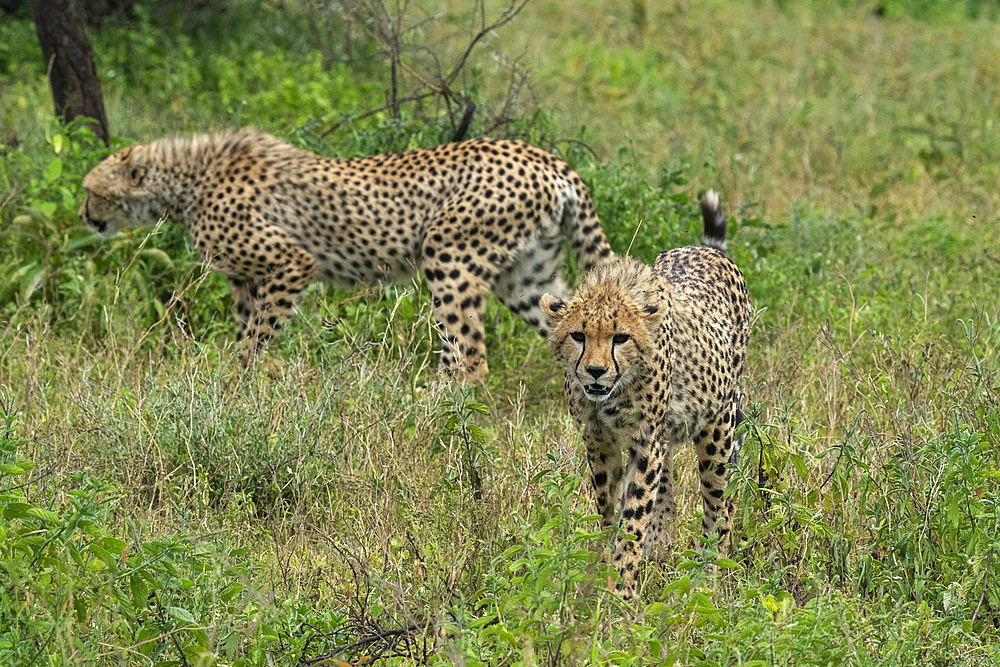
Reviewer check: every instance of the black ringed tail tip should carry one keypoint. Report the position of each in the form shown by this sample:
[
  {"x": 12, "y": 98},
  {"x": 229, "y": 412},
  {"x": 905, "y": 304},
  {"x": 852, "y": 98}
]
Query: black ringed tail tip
[{"x": 715, "y": 222}]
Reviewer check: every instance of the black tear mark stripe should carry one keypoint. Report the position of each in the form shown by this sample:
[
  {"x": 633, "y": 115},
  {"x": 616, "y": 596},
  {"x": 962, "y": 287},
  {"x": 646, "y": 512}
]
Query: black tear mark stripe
[
  {"x": 583, "y": 350},
  {"x": 613, "y": 357}
]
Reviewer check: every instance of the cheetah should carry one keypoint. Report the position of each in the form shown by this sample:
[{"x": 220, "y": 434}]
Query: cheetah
[
  {"x": 653, "y": 358},
  {"x": 475, "y": 215}
]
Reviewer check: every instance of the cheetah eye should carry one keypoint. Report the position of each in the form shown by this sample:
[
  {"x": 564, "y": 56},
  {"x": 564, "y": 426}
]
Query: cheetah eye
[
  {"x": 578, "y": 336},
  {"x": 620, "y": 339}
]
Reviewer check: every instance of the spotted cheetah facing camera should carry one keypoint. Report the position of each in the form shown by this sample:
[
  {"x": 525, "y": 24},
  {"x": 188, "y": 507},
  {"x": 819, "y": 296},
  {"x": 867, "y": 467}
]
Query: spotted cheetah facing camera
[
  {"x": 474, "y": 216},
  {"x": 653, "y": 358}
]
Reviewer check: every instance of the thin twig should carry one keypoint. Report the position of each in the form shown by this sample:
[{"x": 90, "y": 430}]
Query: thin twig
[
  {"x": 9, "y": 197},
  {"x": 411, "y": 98},
  {"x": 509, "y": 14},
  {"x": 365, "y": 641},
  {"x": 841, "y": 454},
  {"x": 44, "y": 473},
  {"x": 386, "y": 31},
  {"x": 585, "y": 146},
  {"x": 986, "y": 578}
]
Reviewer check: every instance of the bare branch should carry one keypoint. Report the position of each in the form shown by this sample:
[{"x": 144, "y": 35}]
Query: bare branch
[
  {"x": 391, "y": 637},
  {"x": 411, "y": 98},
  {"x": 425, "y": 72},
  {"x": 512, "y": 11}
]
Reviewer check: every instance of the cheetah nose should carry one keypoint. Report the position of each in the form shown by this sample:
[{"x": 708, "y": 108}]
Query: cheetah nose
[{"x": 596, "y": 371}]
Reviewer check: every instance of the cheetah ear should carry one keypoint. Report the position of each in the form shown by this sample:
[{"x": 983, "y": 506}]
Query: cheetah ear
[
  {"x": 135, "y": 162},
  {"x": 554, "y": 307},
  {"x": 653, "y": 310}
]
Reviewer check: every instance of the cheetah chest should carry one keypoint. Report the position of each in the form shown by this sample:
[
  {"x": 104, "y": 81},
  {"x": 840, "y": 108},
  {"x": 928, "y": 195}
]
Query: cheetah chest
[{"x": 680, "y": 411}]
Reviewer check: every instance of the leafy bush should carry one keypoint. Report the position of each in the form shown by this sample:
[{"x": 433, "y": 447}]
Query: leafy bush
[
  {"x": 643, "y": 212},
  {"x": 547, "y": 599},
  {"x": 70, "y": 577}
]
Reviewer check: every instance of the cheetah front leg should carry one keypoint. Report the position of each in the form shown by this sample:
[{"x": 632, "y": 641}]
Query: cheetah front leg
[
  {"x": 277, "y": 294},
  {"x": 605, "y": 459},
  {"x": 660, "y": 536},
  {"x": 644, "y": 468},
  {"x": 535, "y": 271},
  {"x": 267, "y": 270},
  {"x": 243, "y": 297}
]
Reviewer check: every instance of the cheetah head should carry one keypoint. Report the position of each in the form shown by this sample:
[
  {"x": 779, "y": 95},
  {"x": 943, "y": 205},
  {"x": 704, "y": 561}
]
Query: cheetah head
[
  {"x": 117, "y": 193},
  {"x": 605, "y": 334}
]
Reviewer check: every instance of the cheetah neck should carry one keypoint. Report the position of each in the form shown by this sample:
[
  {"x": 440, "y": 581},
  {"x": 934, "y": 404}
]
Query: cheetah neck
[
  {"x": 177, "y": 169},
  {"x": 182, "y": 167}
]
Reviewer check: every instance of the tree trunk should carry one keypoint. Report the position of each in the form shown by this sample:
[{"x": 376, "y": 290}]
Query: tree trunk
[{"x": 69, "y": 61}]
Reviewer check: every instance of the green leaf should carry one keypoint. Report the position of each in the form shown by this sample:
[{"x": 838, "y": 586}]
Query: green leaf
[
  {"x": 80, "y": 604},
  {"x": 53, "y": 171},
  {"x": 88, "y": 239},
  {"x": 539, "y": 475},
  {"x": 31, "y": 280},
  {"x": 102, "y": 558},
  {"x": 140, "y": 592},
  {"x": 771, "y": 525},
  {"x": 476, "y": 434},
  {"x": 46, "y": 208},
  {"x": 180, "y": 614},
  {"x": 230, "y": 644},
  {"x": 800, "y": 467},
  {"x": 68, "y": 198},
  {"x": 146, "y": 633},
  {"x": 230, "y": 591},
  {"x": 16, "y": 511},
  {"x": 114, "y": 545},
  {"x": 43, "y": 514},
  {"x": 9, "y": 469},
  {"x": 157, "y": 256}
]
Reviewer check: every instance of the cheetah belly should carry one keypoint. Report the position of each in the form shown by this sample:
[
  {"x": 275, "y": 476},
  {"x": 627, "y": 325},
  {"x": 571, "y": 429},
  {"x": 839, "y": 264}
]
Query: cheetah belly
[
  {"x": 361, "y": 252},
  {"x": 349, "y": 264},
  {"x": 354, "y": 238}
]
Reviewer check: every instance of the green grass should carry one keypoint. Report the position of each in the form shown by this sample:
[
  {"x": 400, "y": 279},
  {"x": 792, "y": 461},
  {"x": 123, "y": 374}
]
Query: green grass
[{"x": 161, "y": 505}]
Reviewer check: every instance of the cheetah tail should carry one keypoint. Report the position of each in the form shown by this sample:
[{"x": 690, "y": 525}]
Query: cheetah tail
[
  {"x": 715, "y": 221},
  {"x": 583, "y": 229}
]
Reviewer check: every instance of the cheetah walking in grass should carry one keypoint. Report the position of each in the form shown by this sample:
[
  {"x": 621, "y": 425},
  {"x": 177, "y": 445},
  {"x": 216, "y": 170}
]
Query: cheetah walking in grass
[
  {"x": 653, "y": 358},
  {"x": 474, "y": 216}
]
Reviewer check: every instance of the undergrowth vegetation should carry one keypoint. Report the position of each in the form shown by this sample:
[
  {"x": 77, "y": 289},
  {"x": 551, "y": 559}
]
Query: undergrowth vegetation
[{"x": 162, "y": 505}]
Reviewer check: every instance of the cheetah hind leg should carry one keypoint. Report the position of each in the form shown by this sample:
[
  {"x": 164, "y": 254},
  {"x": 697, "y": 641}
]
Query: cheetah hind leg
[
  {"x": 536, "y": 270},
  {"x": 715, "y": 451},
  {"x": 244, "y": 303}
]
